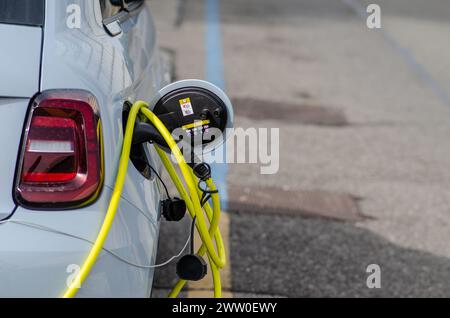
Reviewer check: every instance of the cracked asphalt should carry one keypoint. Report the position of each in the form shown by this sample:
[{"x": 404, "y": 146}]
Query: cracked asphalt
[{"x": 364, "y": 119}]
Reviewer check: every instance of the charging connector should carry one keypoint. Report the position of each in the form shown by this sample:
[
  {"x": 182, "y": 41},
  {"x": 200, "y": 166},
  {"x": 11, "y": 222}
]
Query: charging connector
[{"x": 174, "y": 209}]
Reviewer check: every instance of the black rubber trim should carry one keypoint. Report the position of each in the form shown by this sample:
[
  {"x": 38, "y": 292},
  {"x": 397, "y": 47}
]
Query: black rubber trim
[
  {"x": 125, "y": 13},
  {"x": 22, "y": 12}
]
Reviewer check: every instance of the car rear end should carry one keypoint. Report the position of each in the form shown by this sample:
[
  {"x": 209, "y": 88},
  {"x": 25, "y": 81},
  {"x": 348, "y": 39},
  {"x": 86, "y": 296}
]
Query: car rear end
[{"x": 60, "y": 139}]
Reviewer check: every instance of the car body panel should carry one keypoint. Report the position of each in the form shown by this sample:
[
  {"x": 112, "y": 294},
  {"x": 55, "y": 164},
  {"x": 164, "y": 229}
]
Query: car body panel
[
  {"x": 20, "y": 60},
  {"x": 114, "y": 69},
  {"x": 36, "y": 263},
  {"x": 12, "y": 116}
]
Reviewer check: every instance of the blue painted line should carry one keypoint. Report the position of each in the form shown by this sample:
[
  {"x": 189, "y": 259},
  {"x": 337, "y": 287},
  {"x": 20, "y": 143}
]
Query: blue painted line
[
  {"x": 215, "y": 74},
  {"x": 406, "y": 54},
  {"x": 423, "y": 74},
  {"x": 214, "y": 56}
]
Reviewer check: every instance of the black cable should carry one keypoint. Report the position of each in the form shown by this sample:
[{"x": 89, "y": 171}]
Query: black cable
[
  {"x": 156, "y": 173},
  {"x": 206, "y": 190},
  {"x": 205, "y": 199},
  {"x": 160, "y": 179},
  {"x": 206, "y": 193},
  {"x": 192, "y": 234}
]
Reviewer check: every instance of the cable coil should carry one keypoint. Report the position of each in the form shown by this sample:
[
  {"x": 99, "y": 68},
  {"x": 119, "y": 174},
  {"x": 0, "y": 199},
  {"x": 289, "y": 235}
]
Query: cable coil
[{"x": 212, "y": 243}]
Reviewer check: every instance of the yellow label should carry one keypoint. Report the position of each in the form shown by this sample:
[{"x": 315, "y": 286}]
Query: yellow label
[{"x": 186, "y": 107}]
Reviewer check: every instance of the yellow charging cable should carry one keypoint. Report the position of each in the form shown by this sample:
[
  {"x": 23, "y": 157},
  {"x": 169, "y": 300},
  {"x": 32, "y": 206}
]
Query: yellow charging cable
[{"x": 211, "y": 238}]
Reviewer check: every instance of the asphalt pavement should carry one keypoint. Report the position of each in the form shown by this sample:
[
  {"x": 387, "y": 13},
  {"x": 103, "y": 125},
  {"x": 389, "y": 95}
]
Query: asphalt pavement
[{"x": 364, "y": 119}]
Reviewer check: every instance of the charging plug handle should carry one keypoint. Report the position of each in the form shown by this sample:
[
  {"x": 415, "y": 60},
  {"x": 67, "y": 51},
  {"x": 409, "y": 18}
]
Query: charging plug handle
[{"x": 144, "y": 132}]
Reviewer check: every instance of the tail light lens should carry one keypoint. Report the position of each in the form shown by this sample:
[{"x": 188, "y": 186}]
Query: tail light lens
[{"x": 61, "y": 162}]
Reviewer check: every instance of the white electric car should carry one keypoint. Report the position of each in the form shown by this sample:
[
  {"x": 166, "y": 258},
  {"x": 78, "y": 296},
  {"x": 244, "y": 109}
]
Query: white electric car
[{"x": 68, "y": 68}]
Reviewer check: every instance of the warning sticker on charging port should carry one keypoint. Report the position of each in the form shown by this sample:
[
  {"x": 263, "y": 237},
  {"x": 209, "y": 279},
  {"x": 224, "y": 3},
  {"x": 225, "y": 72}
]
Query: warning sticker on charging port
[{"x": 186, "y": 107}]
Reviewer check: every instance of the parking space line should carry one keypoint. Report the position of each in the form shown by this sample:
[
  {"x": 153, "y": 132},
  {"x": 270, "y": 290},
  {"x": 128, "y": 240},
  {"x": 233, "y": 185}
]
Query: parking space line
[
  {"x": 214, "y": 69},
  {"x": 213, "y": 43},
  {"x": 405, "y": 53}
]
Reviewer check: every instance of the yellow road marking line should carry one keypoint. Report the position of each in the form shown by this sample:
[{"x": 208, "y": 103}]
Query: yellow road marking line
[
  {"x": 204, "y": 288},
  {"x": 197, "y": 124}
]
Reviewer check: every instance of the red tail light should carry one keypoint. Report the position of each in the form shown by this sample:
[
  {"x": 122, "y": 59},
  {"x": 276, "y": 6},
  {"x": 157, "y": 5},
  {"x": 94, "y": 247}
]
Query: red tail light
[{"x": 61, "y": 159}]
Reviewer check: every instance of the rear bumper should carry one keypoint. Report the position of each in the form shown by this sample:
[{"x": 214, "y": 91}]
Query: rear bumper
[{"x": 35, "y": 263}]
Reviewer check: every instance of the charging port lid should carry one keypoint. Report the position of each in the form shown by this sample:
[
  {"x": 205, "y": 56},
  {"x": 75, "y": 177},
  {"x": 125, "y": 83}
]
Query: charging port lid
[{"x": 195, "y": 109}]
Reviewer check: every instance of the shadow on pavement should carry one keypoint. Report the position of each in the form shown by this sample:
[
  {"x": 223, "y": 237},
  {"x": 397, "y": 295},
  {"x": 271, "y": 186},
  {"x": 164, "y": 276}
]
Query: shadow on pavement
[
  {"x": 298, "y": 257},
  {"x": 172, "y": 238},
  {"x": 307, "y": 257}
]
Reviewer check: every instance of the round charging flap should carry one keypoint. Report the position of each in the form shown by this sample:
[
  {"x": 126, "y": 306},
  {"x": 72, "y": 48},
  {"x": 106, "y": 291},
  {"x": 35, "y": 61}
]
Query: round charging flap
[{"x": 197, "y": 111}]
